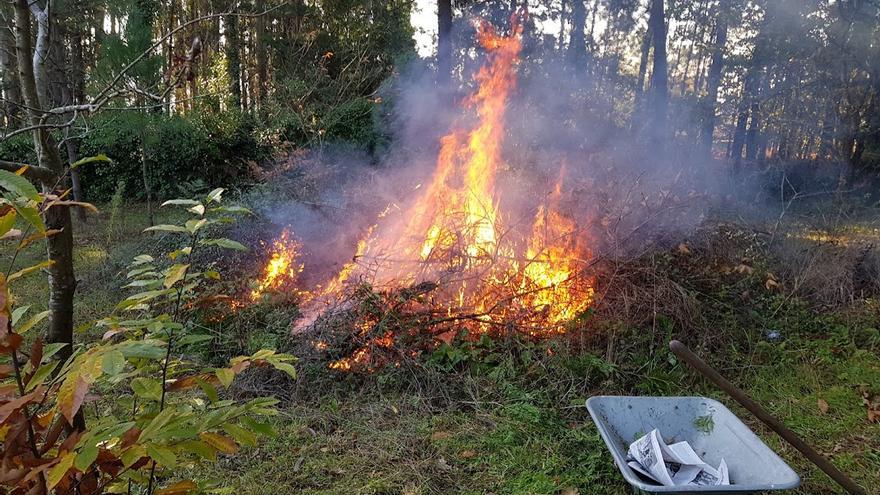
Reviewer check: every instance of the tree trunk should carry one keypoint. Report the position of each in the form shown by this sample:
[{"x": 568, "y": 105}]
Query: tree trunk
[
  {"x": 716, "y": 70},
  {"x": 233, "y": 58},
  {"x": 577, "y": 45},
  {"x": 32, "y": 77},
  {"x": 259, "y": 44},
  {"x": 8, "y": 63},
  {"x": 562, "y": 17},
  {"x": 444, "y": 41},
  {"x": 659, "y": 94},
  {"x": 643, "y": 70}
]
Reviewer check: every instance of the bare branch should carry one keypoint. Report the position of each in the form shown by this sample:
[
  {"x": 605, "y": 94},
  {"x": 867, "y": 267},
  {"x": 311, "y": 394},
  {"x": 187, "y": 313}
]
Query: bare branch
[{"x": 41, "y": 174}]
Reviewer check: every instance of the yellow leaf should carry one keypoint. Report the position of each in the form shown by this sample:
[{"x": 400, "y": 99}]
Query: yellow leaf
[
  {"x": 6, "y": 222},
  {"x": 12, "y": 234},
  {"x": 86, "y": 206},
  {"x": 225, "y": 375},
  {"x": 179, "y": 488},
  {"x": 37, "y": 236},
  {"x": 30, "y": 269},
  {"x": 58, "y": 471},
  {"x": 174, "y": 274},
  {"x": 222, "y": 443}
]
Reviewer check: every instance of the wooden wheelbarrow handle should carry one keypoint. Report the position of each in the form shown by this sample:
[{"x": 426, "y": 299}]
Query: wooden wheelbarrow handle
[{"x": 740, "y": 396}]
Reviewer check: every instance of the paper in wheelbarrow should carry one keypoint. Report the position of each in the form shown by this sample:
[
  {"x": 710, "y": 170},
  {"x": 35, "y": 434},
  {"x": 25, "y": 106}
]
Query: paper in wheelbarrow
[{"x": 673, "y": 465}]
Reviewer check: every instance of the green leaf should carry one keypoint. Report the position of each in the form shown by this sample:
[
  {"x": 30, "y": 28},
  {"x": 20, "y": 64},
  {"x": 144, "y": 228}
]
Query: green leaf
[
  {"x": 182, "y": 202},
  {"x": 140, "y": 271},
  {"x": 29, "y": 212},
  {"x": 209, "y": 390},
  {"x": 156, "y": 424},
  {"x": 174, "y": 274},
  {"x": 18, "y": 312},
  {"x": 240, "y": 434},
  {"x": 142, "y": 298},
  {"x": 285, "y": 367},
  {"x": 225, "y": 375},
  {"x": 41, "y": 374},
  {"x": 166, "y": 228},
  {"x": 200, "y": 449},
  {"x": 193, "y": 226},
  {"x": 86, "y": 457},
  {"x": 147, "y": 388},
  {"x": 51, "y": 349},
  {"x": 18, "y": 185},
  {"x": 91, "y": 159},
  {"x": 215, "y": 195},
  {"x": 113, "y": 363},
  {"x": 258, "y": 427},
  {"x": 147, "y": 349},
  {"x": 37, "y": 318},
  {"x": 58, "y": 471},
  {"x": 162, "y": 455},
  {"x": 7, "y": 221},
  {"x": 225, "y": 244},
  {"x": 231, "y": 209},
  {"x": 132, "y": 454},
  {"x": 194, "y": 339}
]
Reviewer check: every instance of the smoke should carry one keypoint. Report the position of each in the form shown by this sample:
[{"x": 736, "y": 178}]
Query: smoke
[{"x": 563, "y": 125}]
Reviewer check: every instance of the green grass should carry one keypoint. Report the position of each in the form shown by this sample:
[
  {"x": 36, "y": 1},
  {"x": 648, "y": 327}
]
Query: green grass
[{"x": 517, "y": 425}]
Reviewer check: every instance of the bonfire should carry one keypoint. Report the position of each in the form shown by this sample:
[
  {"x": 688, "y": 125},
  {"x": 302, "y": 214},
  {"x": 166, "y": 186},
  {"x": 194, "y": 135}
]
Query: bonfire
[{"x": 452, "y": 263}]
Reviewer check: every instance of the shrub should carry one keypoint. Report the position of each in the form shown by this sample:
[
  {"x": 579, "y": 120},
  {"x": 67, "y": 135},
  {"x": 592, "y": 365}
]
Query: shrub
[
  {"x": 178, "y": 150},
  {"x": 156, "y": 408}
]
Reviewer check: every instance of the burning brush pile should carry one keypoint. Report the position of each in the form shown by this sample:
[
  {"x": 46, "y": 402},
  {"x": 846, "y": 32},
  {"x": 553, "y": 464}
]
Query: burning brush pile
[{"x": 451, "y": 262}]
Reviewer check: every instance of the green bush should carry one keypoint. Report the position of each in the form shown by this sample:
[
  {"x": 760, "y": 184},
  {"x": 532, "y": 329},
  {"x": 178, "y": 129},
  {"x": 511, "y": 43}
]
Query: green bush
[
  {"x": 212, "y": 150},
  {"x": 18, "y": 149}
]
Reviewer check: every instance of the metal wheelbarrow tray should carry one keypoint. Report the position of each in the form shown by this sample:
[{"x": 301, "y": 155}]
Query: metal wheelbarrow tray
[{"x": 712, "y": 430}]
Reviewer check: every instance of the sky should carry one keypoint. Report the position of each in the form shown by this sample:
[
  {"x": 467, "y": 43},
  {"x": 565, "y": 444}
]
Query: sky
[{"x": 424, "y": 20}]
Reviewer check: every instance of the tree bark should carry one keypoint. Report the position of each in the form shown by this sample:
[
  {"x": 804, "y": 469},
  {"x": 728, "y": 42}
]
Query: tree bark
[
  {"x": 233, "y": 59},
  {"x": 659, "y": 91},
  {"x": 562, "y": 17},
  {"x": 8, "y": 63},
  {"x": 716, "y": 70},
  {"x": 643, "y": 70},
  {"x": 444, "y": 41},
  {"x": 577, "y": 45},
  {"x": 33, "y": 80},
  {"x": 259, "y": 43}
]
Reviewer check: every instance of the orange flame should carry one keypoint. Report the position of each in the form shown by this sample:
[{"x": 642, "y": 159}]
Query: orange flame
[
  {"x": 490, "y": 274},
  {"x": 282, "y": 270}
]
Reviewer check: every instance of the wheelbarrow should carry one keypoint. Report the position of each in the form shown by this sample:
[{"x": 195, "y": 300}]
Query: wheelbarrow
[{"x": 712, "y": 430}]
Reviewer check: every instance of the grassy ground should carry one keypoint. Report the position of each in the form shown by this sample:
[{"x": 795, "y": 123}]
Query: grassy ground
[{"x": 515, "y": 423}]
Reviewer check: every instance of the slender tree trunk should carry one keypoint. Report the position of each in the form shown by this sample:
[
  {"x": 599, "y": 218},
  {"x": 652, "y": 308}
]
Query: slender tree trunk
[
  {"x": 444, "y": 41},
  {"x": 8, "y": 63},
  {"x": 716, "y": 70},
  {"x": 577, "y": 45},
  {"x": 74, "y": 92},
  {"x": 259, "y": 43},
  {"x": 33, "y": 80},
  {"x": 562, "y": 17},
  {"x": 233, "y": 58},
  {"x": 643, "y": 70},
  {"x": 659, "y": 96}
]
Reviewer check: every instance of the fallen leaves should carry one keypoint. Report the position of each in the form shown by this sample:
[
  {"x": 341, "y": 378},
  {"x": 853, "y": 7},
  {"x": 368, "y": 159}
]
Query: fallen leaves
[{"x": 440, "y": 435}]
